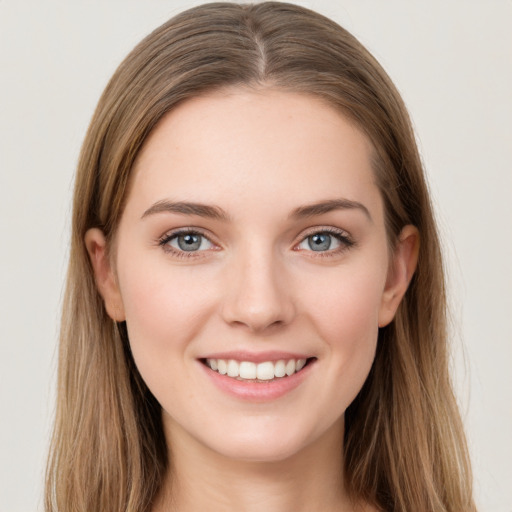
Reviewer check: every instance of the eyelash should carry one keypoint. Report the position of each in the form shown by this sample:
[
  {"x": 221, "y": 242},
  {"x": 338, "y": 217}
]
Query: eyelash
[
  {"x": 341, "y": 236},
  {"x": 346, "y": 242},
  {"x": 164, "y": 243}
]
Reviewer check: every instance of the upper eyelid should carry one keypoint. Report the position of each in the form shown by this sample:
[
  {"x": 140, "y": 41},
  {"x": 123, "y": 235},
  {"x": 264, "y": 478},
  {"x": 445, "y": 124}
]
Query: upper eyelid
[
  {"x": 298, "y": 239},
  {"x": 324, "y": 229},
  {"x": 344, "y": 238},
  {"x": 164, "y": 243},
  {"x": 186, "y": 230},
  {"x": 165, "y": 239}
]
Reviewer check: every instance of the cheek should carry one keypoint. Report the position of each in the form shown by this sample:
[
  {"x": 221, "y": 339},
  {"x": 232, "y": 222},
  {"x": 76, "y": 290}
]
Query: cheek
[
  {"x": 346, "y": 317},
  {"x": 160, "y": 300},
  {"x": 345, "y": 306},
  {"x": 163, "y": 314}
]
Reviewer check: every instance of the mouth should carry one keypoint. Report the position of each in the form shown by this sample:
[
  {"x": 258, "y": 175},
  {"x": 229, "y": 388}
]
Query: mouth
[{"x": 263, "y": 372}]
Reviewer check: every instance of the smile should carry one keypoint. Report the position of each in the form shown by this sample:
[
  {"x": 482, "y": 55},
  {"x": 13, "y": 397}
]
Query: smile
[
  {"x": 261, "y": 377},
  {"x": 251, "y": 371}
]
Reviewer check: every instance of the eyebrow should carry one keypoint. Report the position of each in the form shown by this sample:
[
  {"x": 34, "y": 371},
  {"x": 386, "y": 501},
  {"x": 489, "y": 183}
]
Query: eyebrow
[
  {"x": 328, "y": 206},
  {"x": 187, "y": 208},
  {"x": 217, "y": 213}
]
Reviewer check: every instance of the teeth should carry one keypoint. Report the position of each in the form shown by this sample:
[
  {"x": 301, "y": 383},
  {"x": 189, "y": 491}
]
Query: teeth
[
  {"x": 222, "y": 366},
  {"x": 233, "y": 369},
  {"x": 280, "y": 369},
  {"x": 248, "y": 370},
  {"x": 265, "y": 371}
]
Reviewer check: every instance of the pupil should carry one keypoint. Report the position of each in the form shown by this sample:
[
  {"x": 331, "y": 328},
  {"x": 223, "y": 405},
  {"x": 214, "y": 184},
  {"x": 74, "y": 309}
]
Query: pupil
[
  {"x": 320, "y": 242},
  {"x": 189, "y": 242}
]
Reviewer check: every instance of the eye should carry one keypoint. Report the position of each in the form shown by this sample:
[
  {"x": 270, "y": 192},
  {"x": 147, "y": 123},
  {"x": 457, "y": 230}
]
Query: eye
[
  {"x": 186, "y": 241},
  {"x": 331, "y": 241}
]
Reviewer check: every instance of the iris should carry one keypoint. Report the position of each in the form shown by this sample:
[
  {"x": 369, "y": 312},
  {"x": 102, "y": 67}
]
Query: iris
[{"x": 319, "y": 241}]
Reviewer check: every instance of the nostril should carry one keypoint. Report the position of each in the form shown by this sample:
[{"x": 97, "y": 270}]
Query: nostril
[
  {"x": 258, "y": 302},
  {"x": 259, "y": 325}
]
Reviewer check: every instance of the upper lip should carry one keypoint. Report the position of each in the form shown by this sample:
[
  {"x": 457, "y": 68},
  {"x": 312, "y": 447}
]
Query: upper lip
[{"x": 257, "y": 357}]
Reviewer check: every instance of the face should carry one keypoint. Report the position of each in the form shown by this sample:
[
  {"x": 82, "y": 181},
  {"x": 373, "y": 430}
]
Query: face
[{"x": 253, "y": 271}]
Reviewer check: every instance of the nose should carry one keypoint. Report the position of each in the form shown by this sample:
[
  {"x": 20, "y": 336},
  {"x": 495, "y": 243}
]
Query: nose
[{"x": 258, "y": 294}]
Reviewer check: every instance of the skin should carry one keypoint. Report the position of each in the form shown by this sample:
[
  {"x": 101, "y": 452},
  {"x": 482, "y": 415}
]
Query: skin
[{"x": 254, "y": 285}]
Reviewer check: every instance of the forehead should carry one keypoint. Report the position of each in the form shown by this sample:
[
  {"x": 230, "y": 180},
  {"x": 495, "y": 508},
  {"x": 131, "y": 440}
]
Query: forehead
[{"x": 245, "y": 147}]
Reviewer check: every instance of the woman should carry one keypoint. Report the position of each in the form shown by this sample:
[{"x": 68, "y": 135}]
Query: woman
[{"x": 255, "y": 310}]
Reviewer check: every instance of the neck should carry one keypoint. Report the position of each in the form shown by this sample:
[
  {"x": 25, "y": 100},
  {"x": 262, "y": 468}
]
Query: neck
[{"x": 200, "y": 479}]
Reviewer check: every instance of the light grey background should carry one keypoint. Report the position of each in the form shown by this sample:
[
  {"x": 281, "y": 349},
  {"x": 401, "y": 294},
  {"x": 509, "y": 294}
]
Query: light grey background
[{"x": 452, "y": 62}]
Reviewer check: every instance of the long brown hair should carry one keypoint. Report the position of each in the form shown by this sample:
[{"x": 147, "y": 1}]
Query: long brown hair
[{"x": 404, "y": 446}]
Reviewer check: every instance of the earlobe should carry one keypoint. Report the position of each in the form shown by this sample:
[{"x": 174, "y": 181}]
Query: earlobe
[
  {"x": 104, "y": 275},
  {"x": 403, "y": 265}
]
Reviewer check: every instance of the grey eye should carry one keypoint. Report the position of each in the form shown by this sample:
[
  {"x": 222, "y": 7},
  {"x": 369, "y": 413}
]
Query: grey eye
[
  {"x": 320, "y": 242},
  {"x": 190, "y": 242}
]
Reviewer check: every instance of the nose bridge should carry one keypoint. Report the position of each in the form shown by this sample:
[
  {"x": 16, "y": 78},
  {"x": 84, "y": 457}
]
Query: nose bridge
[{"x": 256, "y": 291}]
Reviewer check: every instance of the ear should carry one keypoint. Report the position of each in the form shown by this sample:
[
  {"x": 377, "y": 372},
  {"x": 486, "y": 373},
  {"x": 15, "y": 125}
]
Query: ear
[
  {"x": 106, "y": 281},
  {"x": 401, "y": 270}
]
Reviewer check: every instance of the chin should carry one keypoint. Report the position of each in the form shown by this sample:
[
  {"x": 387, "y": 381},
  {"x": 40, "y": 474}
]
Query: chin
[
  {"x": 264, "y": 445},
  {"x": 260, "y": 452}
]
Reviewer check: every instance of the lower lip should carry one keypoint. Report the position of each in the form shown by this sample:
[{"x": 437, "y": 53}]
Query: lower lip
[{"x": 258, "y": 391}]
